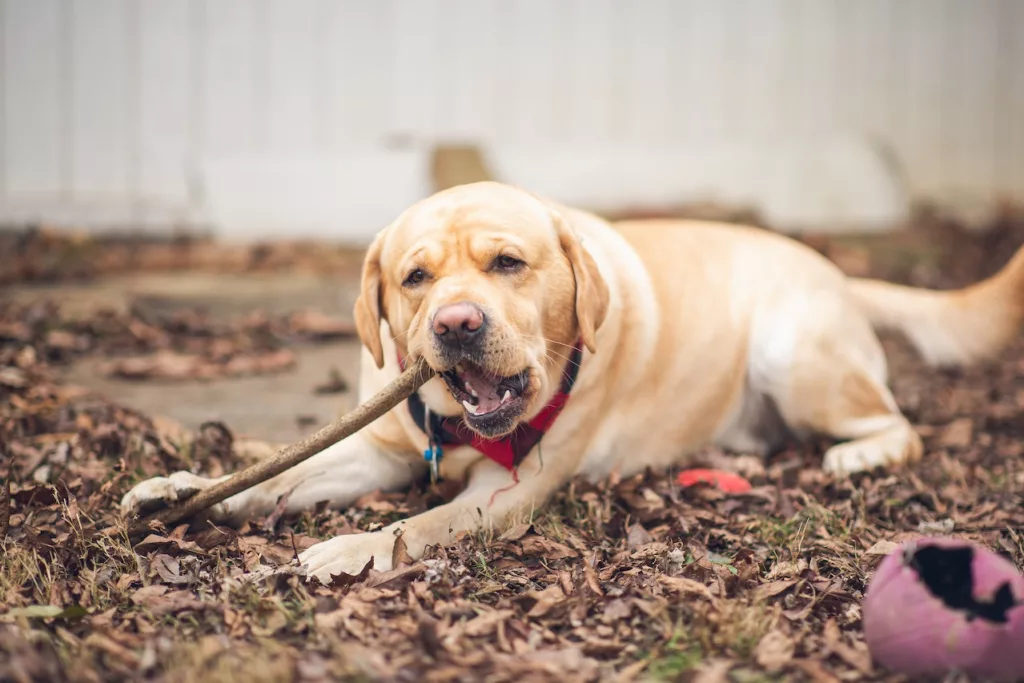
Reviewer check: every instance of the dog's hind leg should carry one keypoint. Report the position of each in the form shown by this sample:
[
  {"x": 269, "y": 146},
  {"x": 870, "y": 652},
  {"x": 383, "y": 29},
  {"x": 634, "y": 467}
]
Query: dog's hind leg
[{"x": 826, "y": 371}]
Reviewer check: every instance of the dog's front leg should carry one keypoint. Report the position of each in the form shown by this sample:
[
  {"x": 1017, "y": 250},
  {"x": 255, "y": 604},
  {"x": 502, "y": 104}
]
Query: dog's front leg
[
  {"x": 338, "y": 475},
  {"x": 491, "y": 498}
]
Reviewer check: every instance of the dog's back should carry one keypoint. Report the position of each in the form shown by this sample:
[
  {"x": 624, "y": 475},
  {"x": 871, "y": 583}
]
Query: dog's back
[{"x": 952, "y": 327}]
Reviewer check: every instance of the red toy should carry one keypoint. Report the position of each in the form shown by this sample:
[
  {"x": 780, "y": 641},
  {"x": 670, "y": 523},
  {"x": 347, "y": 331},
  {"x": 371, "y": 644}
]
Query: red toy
[{"x": 726, "y": 481}]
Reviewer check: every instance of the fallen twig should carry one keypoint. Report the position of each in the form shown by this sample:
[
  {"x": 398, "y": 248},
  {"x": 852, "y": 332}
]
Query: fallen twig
[{"x": 388, "y": 397}]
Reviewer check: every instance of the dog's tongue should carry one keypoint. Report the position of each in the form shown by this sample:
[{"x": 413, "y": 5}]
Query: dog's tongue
[{"x": 485, "y": 388}]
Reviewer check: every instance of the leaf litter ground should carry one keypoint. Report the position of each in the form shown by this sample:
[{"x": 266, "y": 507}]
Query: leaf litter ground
[{"x": 632, "y": 579}]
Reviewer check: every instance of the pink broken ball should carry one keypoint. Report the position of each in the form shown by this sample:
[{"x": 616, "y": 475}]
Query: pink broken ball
[{"x": 942, "y": 605}]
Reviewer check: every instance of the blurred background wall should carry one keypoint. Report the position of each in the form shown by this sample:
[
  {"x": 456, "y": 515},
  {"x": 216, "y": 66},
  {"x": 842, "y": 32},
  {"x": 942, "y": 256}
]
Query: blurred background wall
[{"x": 264, "y": 118}]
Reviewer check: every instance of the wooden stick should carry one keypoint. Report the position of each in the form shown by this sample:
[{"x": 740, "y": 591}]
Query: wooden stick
[{"x": 347, "y": 425}]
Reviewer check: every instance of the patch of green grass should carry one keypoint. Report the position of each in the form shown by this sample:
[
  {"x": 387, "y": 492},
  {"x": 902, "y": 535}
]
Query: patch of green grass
[
  {"x": 723, "y": 560},
  {"x": 551, "y": 525},
  {"x": 679, "y": 656},
  {"x": 808, "y": 523},
  {"x": 568, "y": 510},
  {"x": 482, "y": 568},
  {"x": 776, "y": 532}
]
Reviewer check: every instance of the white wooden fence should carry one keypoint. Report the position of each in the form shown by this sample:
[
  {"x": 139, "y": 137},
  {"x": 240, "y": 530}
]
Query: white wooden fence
[{"x": 149, "y": 111}]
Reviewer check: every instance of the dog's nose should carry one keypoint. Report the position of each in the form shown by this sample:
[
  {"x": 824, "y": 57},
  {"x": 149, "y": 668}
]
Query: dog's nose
[{"x": 459, "y": 323}]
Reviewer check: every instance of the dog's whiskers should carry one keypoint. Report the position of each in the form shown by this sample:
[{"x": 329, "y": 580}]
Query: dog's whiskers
[
  {"x": 567, "y": 359},
  {"x": 548, "y": 340}
]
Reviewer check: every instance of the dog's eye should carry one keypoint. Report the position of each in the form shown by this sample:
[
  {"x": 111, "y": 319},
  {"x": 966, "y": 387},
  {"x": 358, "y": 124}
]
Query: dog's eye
[
  {"x": 414, "y": 278},
  {"x": 506, "y": 262}
]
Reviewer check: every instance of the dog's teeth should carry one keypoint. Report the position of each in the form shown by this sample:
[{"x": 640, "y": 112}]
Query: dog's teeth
[
  {"x": 470, "y": 408},
  {"x": 507, "y": 396},
  {"x": 471, "y": 390}
]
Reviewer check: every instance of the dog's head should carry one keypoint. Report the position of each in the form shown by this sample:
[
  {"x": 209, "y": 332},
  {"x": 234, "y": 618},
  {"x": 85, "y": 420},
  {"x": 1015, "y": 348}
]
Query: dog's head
[{"x": 490, "y": 286}]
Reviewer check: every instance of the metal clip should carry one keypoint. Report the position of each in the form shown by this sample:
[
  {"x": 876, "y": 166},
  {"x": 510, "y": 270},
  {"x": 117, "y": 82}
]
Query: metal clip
[
  {"x": 433, "y": 456},
  {"x": 433, "y": 452}
]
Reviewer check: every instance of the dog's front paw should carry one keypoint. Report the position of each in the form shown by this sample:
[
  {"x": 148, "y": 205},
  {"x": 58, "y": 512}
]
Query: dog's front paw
[
  {"x": 158, "y": 492},
  {"x": 347, "y": 554}
]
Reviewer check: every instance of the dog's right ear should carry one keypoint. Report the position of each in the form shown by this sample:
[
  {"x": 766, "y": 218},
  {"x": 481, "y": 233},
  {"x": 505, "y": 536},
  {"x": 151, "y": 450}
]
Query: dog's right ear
[
  {"x": 591, "y": 289},
  {"x": 368, "y": 305}
]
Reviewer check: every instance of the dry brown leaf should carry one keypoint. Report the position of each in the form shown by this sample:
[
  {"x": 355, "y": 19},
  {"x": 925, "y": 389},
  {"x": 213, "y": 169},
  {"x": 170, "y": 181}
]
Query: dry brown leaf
[
  {"x": 714, "y": 671},
  {"x": 126, "y": 580},
  {"x": 855, "y": 658},
  {"x": 159, "y": 601},
  {"x": 815, "y": 671},
  {"x": 112, "y": 648},
  {"x": 343, "y": 580},
  {"x": 685, "y": 586},
  {"x": 161, "y": 365},
  {"x": 486, "y": 623},
  {"x": 275, "y": 622},
  {"x": 590, "y": 576},
  {"x": 601, "y": 647},
  {"x": 396, "y": 577},
  {"x": 320, "y": 326},
  {"x": 175, "y": 366},
  {"x": 251, "y": 364},
  {"x": 515, "y": 532},
  {"x": 563, "y": 663},
  {"x": 169, "y": 570},
  {"x": 147, "y": 593},
  {"x": 773, "y": 588},
  {"x": 400, "y": 556},
  {"x": 377, "y": 501},
  {"x": 271, "y": 520},
  {"x": 616, "y": 611},
  {"x": 335, "y": 383},
  {"x": 539, "y": 546},
  {"x": 13, "y": 378},
  {"x": 958, "y": 434},
  {"x": 774, "y": 651},
  {"x": 544, "y": 600},
  {"x": 637, "y": 536},
  {"x": 881, "y": 548},
  {"x": 786, "y": 569}
]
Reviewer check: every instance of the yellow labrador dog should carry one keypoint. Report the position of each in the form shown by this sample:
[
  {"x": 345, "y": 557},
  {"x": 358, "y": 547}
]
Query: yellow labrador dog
[{"x": 568, "y": 346}]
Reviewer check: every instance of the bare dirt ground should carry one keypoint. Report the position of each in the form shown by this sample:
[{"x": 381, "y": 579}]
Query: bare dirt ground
[{"x": 635, "y": 579}]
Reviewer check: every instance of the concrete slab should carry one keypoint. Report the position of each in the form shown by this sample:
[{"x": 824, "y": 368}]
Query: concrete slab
[
  {"x": 278, "y": 408},
  {"x": 223, "y": 296},
  {"x": 281, "y": 407}
]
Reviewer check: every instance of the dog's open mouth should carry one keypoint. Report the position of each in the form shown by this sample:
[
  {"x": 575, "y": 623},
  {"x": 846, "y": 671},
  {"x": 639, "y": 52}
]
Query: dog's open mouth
[{"x": 485, "y": 397}]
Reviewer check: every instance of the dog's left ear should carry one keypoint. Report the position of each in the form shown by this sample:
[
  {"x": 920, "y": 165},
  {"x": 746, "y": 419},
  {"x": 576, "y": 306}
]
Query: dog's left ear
[
  {"x": 591, "y": 289},
  {"x": 368, "y": 305}
]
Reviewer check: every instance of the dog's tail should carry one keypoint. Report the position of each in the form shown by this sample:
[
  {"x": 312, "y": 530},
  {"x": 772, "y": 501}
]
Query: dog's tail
[{"x": 955, "y": 327}]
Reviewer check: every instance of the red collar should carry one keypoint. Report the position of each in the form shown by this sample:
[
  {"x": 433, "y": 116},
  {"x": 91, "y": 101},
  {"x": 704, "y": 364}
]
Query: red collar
[{"x": 507, "y": 451}]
